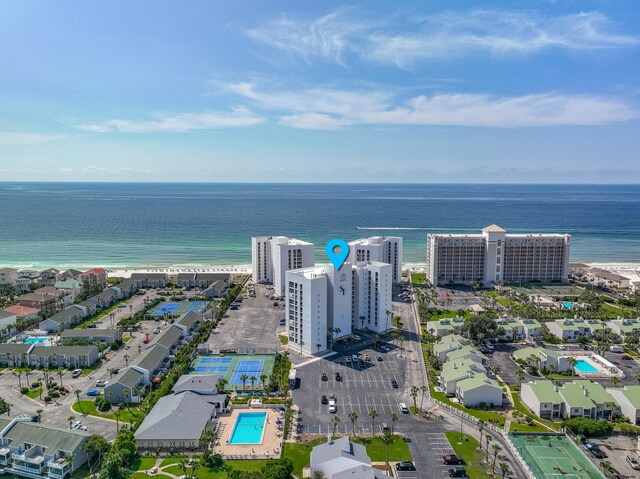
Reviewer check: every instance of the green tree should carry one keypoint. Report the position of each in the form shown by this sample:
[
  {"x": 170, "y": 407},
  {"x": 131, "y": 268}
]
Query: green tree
[
  {"x": 335, "y": 420},
  {"x": 373, "y": 414},
  {"x": 353, "y": 417},
  {"x": 504, "y": 469},
  {"x": 414, "y": 395},
  {"x": 496, "y": 449},
  {"x": 387, "y": 438},
  {"x": 278, "y": 469},
  {"x": 394, "y": 417},
  {"x": 96, "y": 448}
]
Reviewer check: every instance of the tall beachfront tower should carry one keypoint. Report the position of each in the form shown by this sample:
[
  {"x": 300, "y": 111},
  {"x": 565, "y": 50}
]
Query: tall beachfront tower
[
  {"x": 497, "y": 256},
  {"x": 385, "y": 249},
  {"x": 273, "y": 256},
  {"x": 325, "y": 304}
]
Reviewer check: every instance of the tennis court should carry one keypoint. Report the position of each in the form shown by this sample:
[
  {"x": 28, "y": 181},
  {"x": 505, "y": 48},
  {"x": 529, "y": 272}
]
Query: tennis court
[
  {"x": 233, "y": 367},
  {"x": 549, "y": 455},
  {"x": 178, "y": 309}
]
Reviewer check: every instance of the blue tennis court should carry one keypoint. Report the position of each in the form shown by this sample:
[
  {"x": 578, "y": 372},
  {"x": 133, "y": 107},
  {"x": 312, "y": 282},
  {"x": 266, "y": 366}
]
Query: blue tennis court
[
  {"x": 216, "y": 360},
  {"x": 169, "y": 307},
  {"x": 250, "y": 367}
]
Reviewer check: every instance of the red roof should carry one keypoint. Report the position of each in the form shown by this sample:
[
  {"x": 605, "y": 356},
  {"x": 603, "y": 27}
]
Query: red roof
[
  {"x": 21, "y": 311},
  {"x": 96, "y": 271}
]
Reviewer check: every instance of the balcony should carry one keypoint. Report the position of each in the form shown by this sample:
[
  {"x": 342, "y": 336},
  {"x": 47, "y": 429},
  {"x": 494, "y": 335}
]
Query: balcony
[{"x": 59, "y": 468}]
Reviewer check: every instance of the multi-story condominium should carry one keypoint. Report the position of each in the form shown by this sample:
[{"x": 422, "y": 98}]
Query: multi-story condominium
[
  {"x": 94, "y": 277},
  {"x": 273, "y": 256},
  {"x": 625, "y": 327},
  {"x": 324, "y": 304},
  {"x": 8, "y": 276},
  {"x": 581, "y": 398},
  {"x": 384, "y": 249},
  {"x": 571, "y": 330},
  {"x": 495, "y": 256}
]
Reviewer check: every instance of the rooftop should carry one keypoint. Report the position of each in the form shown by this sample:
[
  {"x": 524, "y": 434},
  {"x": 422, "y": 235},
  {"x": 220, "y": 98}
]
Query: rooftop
[
  {"x": 476, "y": 381},
  {"x": 545, "y": 391},
  {"x": 21, "y": 311}
]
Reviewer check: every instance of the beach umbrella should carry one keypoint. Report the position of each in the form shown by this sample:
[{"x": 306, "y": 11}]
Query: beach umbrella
[
  {"x": 281, "y": 409},
  {"x": 278, "y": 422}
]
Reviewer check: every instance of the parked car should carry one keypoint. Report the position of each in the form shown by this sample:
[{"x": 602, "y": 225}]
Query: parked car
[
  {"x": 146, "y": 341},
  {"x": 93, "y": 392},
  {"x": 632, "y": 459},
  {"x": 338, "y": 377},
  {"x": 597, "y": 452},
  {"x": 451, "y": 459},
  {"x": 385, "y": 427},
  {"x": 379, "y": 358},
  {"x": 347, "y": 359},
  {"x": 394, "y": 384},
  {"x": 333, "y": 407},
  {"x": 457, "y": 471},
  {"x": 101, "y": 383},
  {"x": 405, "y": 466},
  {"x": 354, "y": 357},
  {"x": 76, "y": 372},
  {"x": 626, "y": 357},
  {"x": 403, "y": 408},
  {"x": 156, "y": 331},
  {"x": 324, "y": 377},
  {"x": 324, "y": 400}
]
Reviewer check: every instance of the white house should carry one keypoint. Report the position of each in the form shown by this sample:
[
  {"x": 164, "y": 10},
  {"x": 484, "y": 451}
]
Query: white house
[
  {"x": 341, "y": 459},
  {"x": 479, "y": 389},
  {"x": 628, "y": 399}
]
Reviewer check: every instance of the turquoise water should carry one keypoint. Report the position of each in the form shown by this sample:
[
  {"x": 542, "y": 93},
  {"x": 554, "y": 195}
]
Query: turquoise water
[
  {"x": 567, "y": 304},
  {"x": 34, "y": 340},
  {"x": 585, "y": 367},
  {"x": 121, "y": 225},
  {"x": 249, "y": 428}
]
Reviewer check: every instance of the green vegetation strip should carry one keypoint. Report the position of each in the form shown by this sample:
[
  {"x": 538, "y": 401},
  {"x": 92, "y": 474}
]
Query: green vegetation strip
[
  {"x": 488, "y": 416},
  {"x": 125, "y": 415},
  {"x": 468, "y": 451}
]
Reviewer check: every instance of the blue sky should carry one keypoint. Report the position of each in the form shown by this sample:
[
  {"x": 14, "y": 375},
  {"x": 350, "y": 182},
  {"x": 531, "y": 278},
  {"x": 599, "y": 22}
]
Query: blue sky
[{"x": 536, "y": 91}]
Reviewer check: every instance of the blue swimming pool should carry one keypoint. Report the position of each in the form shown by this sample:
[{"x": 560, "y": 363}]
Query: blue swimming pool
[
  {"x": 34, "y": 340},
  {"x": 249, "y": 428},
  {"x": 585, "y": 367}
]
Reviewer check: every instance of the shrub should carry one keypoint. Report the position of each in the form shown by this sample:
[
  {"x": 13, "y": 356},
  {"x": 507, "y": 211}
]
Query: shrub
[
  {"x": 104, "y": 406},
  {"x": 24, "y": 390},
  {"x": 588, "y": 427},
  {"x": 54, "y": 394},
  {"x": 47, "y": 399},
  {"x": 35, "y": 384}
]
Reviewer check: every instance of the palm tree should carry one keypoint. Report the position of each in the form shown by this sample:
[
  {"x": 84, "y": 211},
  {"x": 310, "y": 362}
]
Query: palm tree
[
  {"x": 301, "y": 344},
  {"x": 335, "y": 420},
  {"x": 220, "y": 385},
  {"x": 488, "y": 438},
  {"x": 424, "y": 388},
  {"x": 481, "y": 424},
  {"x": 606, "y": 465},
  {"x": 60, "y": 370},
  {"x": 519, "y": 377},
  {"x": 414, "y": 395},
  {"x": 616, "y": 381},
  {"x": 394, "y": 417},
  {"x": 253, "y": 379},
  {"x": 496, "y": 449},
  {"x": 19, "y": 374},
  {"x": 353, "y": 417},
  {"x": 387, "y": 438},
  {"x": 496, "y": 369},
  {"x": 637, "y": 378},
  {"x": 504, "y": 469},
  {"x": 571, "y": 361},
  {"x": 362, "y": 318},
  {"x": 263, "y": 379},
  {"x": 373, "y": 414},
  {"x": 318, "y": 474},
  {"x": 71, "y": 419},
  {"x": 126, "y": 359},
  {"x": 77, "y": 391},
  {"x": 244, "y": 378},
  {"x": 39, "y": 413}
]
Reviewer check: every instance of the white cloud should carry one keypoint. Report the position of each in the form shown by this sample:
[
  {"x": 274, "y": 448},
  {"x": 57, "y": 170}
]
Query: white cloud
[
  {"x": 330, "y": 109},
  {"x": 95, "y": 169},
  {"x": 66, "y": 170},
  {"x": 404, "y": 40},
  {"x": 179, "y": 123},
  {"x": 21, "y": 138}
]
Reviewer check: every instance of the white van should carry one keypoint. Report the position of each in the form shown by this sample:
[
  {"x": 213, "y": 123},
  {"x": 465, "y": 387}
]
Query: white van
[
  {"x": 616, "y": 349},
  {"x": 403, "y": 408}
]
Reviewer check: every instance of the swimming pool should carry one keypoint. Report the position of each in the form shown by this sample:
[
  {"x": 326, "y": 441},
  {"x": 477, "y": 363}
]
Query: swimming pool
[
  {"x": 249, "y": 428},
  {"x": 585, "y": 367},
  {"x": 34, "y": 340}
]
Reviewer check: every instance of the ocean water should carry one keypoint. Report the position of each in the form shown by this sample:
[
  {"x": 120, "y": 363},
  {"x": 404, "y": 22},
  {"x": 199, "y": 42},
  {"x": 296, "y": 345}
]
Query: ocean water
[{"x": 152, "y": 224}]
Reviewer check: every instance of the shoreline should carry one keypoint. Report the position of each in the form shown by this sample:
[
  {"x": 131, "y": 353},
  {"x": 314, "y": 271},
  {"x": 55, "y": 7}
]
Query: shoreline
[{"x": 629, "y": 269}]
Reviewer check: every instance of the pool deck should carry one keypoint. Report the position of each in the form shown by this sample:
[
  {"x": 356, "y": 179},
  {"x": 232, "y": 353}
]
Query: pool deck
[{"x": 271, "y": 441}]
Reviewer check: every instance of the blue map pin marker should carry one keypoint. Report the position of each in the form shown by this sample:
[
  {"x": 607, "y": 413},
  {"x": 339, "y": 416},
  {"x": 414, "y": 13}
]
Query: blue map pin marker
[{"x": 337, "y": 259}]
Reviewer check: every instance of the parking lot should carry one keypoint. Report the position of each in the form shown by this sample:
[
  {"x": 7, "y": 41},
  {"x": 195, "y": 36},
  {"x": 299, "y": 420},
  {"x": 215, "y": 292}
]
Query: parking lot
[
  {"x": 456, "y": 298},
  {"x": 252, "y": 327},
  {"x": 360, "y": 390}
]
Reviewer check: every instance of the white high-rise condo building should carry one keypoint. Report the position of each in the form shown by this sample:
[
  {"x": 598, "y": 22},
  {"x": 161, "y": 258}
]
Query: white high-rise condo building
[
  {"x": 273, "y": 256},
  {"x": 385, "y": 249},
  {"x": 324, "y": 304},
  {"x": 497, "y": 256}
]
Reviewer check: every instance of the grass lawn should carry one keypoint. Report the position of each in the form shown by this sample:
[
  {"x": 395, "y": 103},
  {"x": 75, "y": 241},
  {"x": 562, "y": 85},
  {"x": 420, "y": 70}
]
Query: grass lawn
[
  {"x": 87, "y": 407},
  {"x": 518, "y": 406},
  {"x": 398, "y": 449},
  {"x": 283, "y": 339},
  {"x": 300, "y": 453},
  {"x": 175, "y": 469},
  {"x": 127, "y": 339},
  {"x": 489, "y": 416},
  {"x": 33, "y": 394},
  {"x": 167, "y": 461},
  {"x": 418, "y": 278},
  {"x": 143, "y": 463},
  {"x": 467, "y": 451}
]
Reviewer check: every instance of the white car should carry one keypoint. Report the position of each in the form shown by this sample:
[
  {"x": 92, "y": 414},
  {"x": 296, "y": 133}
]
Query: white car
[
  {"x": 347, "y": 359},
  {"x": 101, "y": 383},
  {"x": 332, "y": 405},
  {"x": 403, "y": 408},
  {"x": 354, "y": 358}
]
